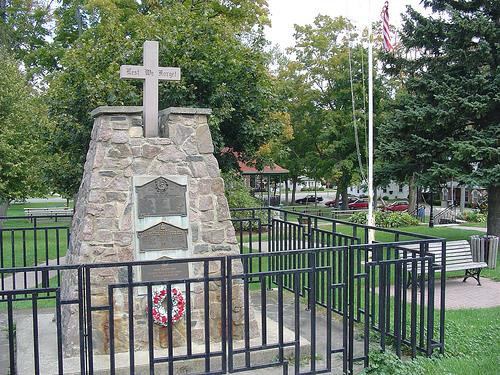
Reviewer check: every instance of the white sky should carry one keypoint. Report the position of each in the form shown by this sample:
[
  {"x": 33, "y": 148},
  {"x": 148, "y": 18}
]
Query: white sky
[{"x": 286, "y": 13}]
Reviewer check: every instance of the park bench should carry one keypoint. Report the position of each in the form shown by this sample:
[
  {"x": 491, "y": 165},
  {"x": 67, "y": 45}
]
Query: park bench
[
  {"x": 49, "y": 212},
  {"x": 458, "y": 258}
]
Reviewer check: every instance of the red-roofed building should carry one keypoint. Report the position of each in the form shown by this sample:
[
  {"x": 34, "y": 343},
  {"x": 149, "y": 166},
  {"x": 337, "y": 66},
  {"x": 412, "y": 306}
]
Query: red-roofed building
[{"x": 259, "y": 181}]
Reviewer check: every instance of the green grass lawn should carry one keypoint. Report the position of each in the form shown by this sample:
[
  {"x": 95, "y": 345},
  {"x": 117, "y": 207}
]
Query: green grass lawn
[
  {"x": 472, "y": 346},
  {"x": 20, "y": 246}
]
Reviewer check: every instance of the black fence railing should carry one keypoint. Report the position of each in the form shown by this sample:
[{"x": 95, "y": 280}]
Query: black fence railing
[
  {"x": 446, "y": 216},
  {"x": 294, "y": 271}
]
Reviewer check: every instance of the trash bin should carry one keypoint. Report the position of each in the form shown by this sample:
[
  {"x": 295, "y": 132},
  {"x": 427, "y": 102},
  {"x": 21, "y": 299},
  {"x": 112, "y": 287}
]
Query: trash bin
[{"x": 485, "y": 249}]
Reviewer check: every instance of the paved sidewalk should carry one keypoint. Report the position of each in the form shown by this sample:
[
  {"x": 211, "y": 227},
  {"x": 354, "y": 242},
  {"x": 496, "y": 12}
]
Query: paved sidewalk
[
  {"x": 463, "y": 227},
  {"x": 469, "y": 295},
  {"x": 18, "y": 280}
]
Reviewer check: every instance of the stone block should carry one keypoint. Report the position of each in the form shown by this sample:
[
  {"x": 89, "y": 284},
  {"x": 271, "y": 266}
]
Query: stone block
[
  {"x": 206, "y": 203},
  {"x": 171, "y": 153},
  {"x": 135, "y": 132},
  {"x": 204, "y": 140},
  {"x": 150, "y": 151},
  {"x": 214, "y": 236},
  {"x": 119, "y": 136}
]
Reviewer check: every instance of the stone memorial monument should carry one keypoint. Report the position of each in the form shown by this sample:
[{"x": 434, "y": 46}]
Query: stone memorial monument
[{"x": 151, "y": 189}]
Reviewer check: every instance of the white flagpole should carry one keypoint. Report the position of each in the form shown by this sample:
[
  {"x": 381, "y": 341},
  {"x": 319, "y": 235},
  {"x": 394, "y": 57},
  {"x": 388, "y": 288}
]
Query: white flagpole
[{"x": 370, "y": 219}]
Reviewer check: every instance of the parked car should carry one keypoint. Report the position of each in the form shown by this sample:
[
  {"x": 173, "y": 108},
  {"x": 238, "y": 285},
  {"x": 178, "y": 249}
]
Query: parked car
[
  {"x": 332, "y": 202},
  {"x": 358, "y": 204},
  {"x": 308, "y": 199},
  {"x": 397, "y": 206}
]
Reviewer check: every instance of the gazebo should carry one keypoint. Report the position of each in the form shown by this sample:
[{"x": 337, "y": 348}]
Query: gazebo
[{"x": 260, "y": 180}]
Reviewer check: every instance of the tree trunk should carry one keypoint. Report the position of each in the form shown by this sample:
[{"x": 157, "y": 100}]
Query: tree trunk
[
  {"x": 294, "y": 189},
  {"x": 412, "y": 194},
  {"x": 494, "y": 210},
  {"x": 286, "y": 191},
  {"x": 337, "y": 196},
  {"x": 345, "y": 198}
]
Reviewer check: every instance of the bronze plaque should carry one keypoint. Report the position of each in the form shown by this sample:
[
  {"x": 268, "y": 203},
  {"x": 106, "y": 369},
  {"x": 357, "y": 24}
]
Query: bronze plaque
[
  {"x": 161, "y": 197},
  {"x": 163, "y": 236},
  {"x": 165, "y": 271}
]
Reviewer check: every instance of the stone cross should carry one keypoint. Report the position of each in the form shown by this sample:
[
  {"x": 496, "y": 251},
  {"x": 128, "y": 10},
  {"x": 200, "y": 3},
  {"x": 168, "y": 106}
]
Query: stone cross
[{"x": 150, "y": 73}]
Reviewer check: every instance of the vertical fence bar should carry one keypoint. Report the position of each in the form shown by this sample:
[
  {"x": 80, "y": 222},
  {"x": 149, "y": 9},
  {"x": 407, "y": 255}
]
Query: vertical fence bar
[
  {"x": 59, "y": 333},
  {"x": 229, "y": 312},
  {"x": 206, "y": 296},
  {"x": 170, "y": 335},
  {"x": 10, "y": 323},
  {"x": 413, "y": 313},
  {"x": 131, "y": 339},
  {"x": 442, "y": 310},
  {"x": 430, "y": 307},
  {"x": 36, "y": 345},
  {"x": 312, "y": 294},
  {"x": 223, "y": 316},
  {"x": 151, "y": 345},
  {"x": 296, "y": 289},
  {"x": 350, "y": 303},
  {"x": 111, "y": 328},
  {"x": 397, "y": 307}
]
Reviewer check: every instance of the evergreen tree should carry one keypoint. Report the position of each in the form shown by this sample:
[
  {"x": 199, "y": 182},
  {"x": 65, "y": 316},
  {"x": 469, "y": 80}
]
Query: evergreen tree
[{"x": 445, "y": 123}]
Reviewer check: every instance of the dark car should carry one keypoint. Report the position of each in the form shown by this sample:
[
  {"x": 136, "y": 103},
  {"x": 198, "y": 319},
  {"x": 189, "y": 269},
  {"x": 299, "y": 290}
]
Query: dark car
[
  {"x": 397, "y": 206},
  {"x": 332, "y": 202},
  {"x": 309, "y": 199},
  {"x": 359, "y": 204}
]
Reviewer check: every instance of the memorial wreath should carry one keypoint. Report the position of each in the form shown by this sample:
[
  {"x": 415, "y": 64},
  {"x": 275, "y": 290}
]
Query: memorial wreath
[{"x": 159, "y": 310}]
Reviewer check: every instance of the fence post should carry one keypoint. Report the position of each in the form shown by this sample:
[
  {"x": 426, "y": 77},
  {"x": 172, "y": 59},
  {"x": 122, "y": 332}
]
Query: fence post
[{"x": 350, "y": 304}]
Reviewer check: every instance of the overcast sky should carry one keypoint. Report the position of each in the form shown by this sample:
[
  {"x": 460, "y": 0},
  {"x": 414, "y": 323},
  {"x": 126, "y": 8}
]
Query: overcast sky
[{"x": 286, "y": 13}]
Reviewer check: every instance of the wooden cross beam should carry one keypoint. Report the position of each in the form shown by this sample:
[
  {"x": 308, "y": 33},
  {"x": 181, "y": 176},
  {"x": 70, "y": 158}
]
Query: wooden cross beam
[{"x": 150, "y": 73}]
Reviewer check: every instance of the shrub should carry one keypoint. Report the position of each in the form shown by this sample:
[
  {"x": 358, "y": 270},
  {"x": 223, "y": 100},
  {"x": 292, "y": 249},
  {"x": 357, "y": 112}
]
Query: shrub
[
  {"x": 386, "y": 219},
  {"x": 238, "y": 196},
  {"x": 474, "y": 217}
]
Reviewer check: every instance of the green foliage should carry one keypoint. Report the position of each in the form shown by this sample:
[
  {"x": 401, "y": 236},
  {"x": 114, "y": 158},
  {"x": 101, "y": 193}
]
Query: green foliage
[
  {"x": 22, "y": 114},
  {"x": 237, "y": 193},
  {"x": 24, "y": 30},
  {"x": 220, "y": 49},
  {"x": 238, "y": 196},
  {"x": 318, "y": 96},
  {"x": 444, "y": 123},
  {"x": 386, "y": 219},
  {"x": 474, "y": 216}
]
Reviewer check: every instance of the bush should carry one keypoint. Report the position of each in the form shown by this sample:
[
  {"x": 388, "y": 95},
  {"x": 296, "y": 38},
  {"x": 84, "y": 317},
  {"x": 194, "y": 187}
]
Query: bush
[
  {"x": 238, "y": 196},
  {"x": 386, "y": 219},
  {"x": 474, "y": 217}
]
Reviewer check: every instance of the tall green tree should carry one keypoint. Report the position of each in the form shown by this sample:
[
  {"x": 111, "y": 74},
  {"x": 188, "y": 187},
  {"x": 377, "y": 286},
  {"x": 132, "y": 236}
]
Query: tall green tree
[
  {"x": 22, "y": 114},
  {"x": 220, "y": 48},
  {"x": 321, "y": 100},
  {"x": 24, "y": 32},
  {"x": 446, "y": 122}
]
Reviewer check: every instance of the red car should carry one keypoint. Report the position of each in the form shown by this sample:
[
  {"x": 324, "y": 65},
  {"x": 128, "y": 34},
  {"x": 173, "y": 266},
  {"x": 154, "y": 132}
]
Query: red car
[
  {"x": 359, "y": 204},
  {"x": 332, "y": 202},
  {"x": 398, "y": 206}
]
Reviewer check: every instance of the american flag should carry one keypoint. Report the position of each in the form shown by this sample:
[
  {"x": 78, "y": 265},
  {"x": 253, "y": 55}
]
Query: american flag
[{"x": 385, "y": 28}]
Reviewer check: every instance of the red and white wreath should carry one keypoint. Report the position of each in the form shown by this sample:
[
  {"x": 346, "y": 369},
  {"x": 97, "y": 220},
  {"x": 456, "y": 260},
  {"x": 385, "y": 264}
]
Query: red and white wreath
[{"x": 159, "y": 309}]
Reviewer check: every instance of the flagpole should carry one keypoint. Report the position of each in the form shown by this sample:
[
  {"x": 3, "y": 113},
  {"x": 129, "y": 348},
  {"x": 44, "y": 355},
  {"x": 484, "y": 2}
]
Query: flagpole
[{"x": 370, "y": 218}]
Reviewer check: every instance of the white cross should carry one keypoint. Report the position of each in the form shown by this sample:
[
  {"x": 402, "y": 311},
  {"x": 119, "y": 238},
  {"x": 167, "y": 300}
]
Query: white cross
[{"x": 150, "y": 73}]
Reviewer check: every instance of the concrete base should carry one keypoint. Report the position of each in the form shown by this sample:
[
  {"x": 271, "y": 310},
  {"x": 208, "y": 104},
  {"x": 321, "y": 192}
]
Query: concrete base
[{"x": 49, "y": 363}]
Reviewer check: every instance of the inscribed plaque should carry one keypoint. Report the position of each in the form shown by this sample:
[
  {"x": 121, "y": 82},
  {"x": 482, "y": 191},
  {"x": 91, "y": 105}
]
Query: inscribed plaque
[
  {"x": 165, "y": 271},
  {"x": 161, "y": 197},
  {"x": 163, "y": 236}
]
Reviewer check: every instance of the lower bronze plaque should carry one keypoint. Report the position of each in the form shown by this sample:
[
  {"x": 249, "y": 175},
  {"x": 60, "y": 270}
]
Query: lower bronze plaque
[
  {"x": 164, "y": 271},
  {"x": 163, "y": 236}
]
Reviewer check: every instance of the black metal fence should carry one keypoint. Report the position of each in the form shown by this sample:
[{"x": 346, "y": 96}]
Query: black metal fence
[{"x": 243, "y": 312}]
